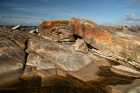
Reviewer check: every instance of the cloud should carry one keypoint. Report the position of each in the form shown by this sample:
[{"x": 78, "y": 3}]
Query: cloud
[
  {"x": 130, "y": 19},
  {"x": 0, "y": 17},
  {"x": 27, "y": 22}
]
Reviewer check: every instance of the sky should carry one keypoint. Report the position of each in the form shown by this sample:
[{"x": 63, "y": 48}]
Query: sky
[{"x": 101, "y": 12}]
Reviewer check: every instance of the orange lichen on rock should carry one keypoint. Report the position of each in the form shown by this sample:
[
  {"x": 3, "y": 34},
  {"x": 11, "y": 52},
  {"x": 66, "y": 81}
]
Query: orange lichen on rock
[
  {"x": 49, "y": 24},
  {"x": 45, "y": 26},
  {"x": 89, "y": 30},
  {"x": 72, "y": 19},
  {"x": 22, "y": 46},
  {"x": 1, "y": 34},
  {"x": 12, "y": 38}
]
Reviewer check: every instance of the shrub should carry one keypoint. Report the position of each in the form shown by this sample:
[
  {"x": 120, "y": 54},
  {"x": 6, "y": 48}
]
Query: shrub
[
  {"x": 120, "y": 28},
  {"x": 64, "y": 22},
  {"x": 129, "y": 59}
]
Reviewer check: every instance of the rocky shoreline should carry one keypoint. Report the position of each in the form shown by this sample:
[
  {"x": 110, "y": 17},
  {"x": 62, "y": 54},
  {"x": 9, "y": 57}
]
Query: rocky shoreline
[{"x": 76, "y": 55}]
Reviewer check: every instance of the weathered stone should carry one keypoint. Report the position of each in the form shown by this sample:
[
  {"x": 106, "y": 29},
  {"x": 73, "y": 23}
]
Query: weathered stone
[
  {"x": 47, "y": 58},
  {"x": 81, "y": 46},
  {"x": 16, "y": 27},
  {"x": 12, "y": 60},
  {"x": 62, "y": 55},
  {"x": 125, "y": 71},
  {"x": 60, "y": 26},
  {"x": 65, "y": 59},
  {"x": 20, "y": 43},
  {"x": 101, "y": 38},
  {"x": 128, "y": 88},
  {"x": 61, "y": 36},
  {"x": 134, "y": 90},
  {"x": 48, "y": 25},
  {"x": 36, "y": 66}
]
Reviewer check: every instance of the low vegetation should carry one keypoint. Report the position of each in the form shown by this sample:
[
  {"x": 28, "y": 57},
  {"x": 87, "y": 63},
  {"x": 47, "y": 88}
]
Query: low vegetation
[
  {"x": 64, "y": 22},
  {"x": 129, "y": 59}
]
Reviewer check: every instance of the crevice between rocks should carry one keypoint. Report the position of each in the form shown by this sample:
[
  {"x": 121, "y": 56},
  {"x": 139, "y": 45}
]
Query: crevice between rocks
[{"x": 26, "y": 54}]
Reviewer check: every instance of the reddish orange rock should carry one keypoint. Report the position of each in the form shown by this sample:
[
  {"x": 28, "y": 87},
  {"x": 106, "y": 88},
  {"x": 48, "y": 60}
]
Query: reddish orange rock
[
  {"x": 73, "y": 19},
  {"x": 105, "y": 38},
  {"x": 89, "y": 31},
  {"x": 114, "y": 39},
  {"x": 45, "y": 26}
]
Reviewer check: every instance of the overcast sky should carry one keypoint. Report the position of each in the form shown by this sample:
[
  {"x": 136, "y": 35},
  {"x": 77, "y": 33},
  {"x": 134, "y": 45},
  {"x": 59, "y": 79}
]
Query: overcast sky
[{"x": 102, "y": 12}]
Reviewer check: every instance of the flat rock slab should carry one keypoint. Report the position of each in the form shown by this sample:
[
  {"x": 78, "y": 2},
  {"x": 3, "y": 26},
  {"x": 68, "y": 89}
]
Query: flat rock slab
[
  {"x": 63, "y": 56},
  {"x": 128, "y": 88},
  {"x": 12, "y": 60},
  {"x": 125, "y": 71}
]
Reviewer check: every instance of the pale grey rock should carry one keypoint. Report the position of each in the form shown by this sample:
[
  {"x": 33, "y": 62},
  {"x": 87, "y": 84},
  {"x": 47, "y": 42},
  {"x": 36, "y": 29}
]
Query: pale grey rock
[
  {"x": 16, "y": 27},
  {"x": 125, "y": 71},
  {"x": 81, "y": 46},
  {"x": 12, "y": 60},
  {"x": 62, "y": 55},
  {"x": 126, "y": 88},
  {"x": 134, "y": 90},
  {"x": 36, "y": 65}
]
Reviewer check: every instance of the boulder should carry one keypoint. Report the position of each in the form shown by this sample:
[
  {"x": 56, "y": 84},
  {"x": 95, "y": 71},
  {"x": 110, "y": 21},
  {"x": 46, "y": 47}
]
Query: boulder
[
  {"x": 12, "y": 60},
  {"x": 108, "y": 39},
  {"x": 81, "y": 46}
]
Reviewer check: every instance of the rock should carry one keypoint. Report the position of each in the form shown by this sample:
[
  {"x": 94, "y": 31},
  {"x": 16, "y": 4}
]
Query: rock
[
  {"x": 45, "y": 27},
  {"x": 128, "y": 88},
  {"x": 36, "y": 65},
  {"x": 32, "y": 31},
  {"x": 20, "y": 43},
  {"x": 134, "y": 90},
  {"x": 125, "y": 71},
  {"x": 64, "y": 31},
  {"x": 114, "y": 39},
  {"x": 60, "y": 26},
  {"x": 61, "y": 36},
  {"x": 65, "y": 34},
  {"x": 49, "y": 59},
  {"x": 16, "y": 27},
  {"x": 81, "y": 46},
  {"x": 107, "y": 39},
  {"x": 12, "y": 60},
  {"x": 64, "y": 58},
  {"x": 62, "y": 55},
  {"x": 57, "y": 31}
]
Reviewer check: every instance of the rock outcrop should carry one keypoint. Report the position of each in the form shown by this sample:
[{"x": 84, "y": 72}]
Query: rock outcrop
[
  {"x": 12, "y": 61},
  {"x": 113, "y": 39},
  {"x": 45, "y": 27},
  {"x": 75, "y": 55},
  {"x": 105, "y": 38}
]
